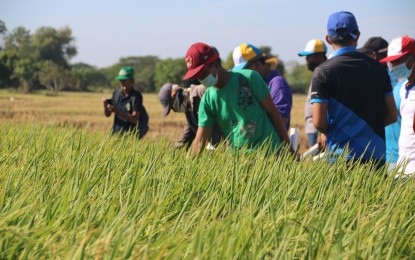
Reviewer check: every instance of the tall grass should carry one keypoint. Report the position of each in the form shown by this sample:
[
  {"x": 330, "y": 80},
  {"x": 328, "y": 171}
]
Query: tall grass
[{"x": 66, "y": 193}]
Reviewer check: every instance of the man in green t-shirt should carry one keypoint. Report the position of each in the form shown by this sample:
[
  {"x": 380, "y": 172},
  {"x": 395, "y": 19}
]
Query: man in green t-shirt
[{"x": 238, "y": 101}]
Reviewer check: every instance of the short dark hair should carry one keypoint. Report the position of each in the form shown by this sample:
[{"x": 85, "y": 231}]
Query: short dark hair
[{"x": 343, "y": 37}]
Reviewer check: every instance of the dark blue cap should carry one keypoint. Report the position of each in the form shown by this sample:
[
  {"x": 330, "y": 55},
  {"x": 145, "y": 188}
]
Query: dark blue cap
[{"x": 342, "y": 24}]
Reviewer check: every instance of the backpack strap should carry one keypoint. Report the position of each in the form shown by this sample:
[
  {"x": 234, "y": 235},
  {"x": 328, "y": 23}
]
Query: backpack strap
[{"x": 117, "y": 96}]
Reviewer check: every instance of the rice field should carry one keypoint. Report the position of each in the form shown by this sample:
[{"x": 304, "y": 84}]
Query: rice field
[{"x": 76, "y": 192}]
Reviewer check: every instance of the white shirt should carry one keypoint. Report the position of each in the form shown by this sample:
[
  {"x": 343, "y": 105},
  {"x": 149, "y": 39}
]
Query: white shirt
[{"x": 407, "y": 136}]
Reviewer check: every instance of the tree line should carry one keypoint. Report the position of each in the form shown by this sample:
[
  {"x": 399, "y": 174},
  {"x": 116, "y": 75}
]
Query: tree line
[{"x": 41, "y": 60}]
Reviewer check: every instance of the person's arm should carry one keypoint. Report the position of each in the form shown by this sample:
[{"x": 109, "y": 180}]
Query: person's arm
[
  {"x": 203, "y": 134},
  {"x": 276, "y": 120},
  {"x": 321, "y": 141},
  {"x": 132, "y": 118},
  {"x": 391, "y": 114},
  {"x": 320, "y": 117},
  {"x": 281, "y": 97}
]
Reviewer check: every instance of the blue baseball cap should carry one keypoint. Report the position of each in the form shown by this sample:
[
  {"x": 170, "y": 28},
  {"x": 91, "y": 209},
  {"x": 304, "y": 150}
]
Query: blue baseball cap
[{"x": 342, "y": 24}]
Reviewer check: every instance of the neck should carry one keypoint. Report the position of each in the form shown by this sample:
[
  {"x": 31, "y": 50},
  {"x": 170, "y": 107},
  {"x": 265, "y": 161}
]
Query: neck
[
  {"x": 126, "y": 91},
  {"x": 223, "y": 77}
]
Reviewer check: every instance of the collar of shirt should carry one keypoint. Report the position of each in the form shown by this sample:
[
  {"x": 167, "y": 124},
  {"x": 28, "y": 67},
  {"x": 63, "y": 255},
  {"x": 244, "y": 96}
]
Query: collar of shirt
[{"x": 343, "y": 51}]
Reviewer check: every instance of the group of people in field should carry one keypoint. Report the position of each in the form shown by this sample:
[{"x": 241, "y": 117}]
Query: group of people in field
[{"x": 361, "y": 102}]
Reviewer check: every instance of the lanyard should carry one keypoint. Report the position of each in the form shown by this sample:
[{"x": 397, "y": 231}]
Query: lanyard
[{"x": 407, "y": 89}]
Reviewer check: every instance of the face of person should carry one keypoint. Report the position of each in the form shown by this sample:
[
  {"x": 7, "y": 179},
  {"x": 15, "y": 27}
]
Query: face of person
[
  {"x": 259, "y": 66},
  {"x": 209, "y": 70},
  {"x": 312, "y": 61},
  {"x": 127, "y": 84},
  {"x": 402, "y": 67},
  {"x": 404, "y": 59}
]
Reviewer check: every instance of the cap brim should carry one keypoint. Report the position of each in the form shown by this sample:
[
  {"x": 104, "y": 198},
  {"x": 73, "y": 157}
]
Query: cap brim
[
  {"x": 166, "y": 111},
  {"x": 123, "y": 78},
  {"x": 195, "y": 72},
  {"x": 393, "y": 58},
  {"x": 240, "y": 66},
  {"x": 305, "y": 53},
  {"x": 364, "y": 50}
]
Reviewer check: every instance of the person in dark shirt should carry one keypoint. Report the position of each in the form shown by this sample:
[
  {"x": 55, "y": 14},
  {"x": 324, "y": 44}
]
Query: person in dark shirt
[
  {"x": 127, "y": 106},
  {"x": 352, "y": 96}
]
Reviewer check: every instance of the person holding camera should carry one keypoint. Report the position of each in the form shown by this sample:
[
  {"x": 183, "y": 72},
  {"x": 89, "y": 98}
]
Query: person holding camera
[{"x": 127, "y": 106}]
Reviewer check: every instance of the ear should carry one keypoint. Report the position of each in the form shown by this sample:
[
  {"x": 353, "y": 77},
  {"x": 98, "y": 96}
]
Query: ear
[
  {"x": 328, "y": 40},
  {"x": 357, "y": 36}
]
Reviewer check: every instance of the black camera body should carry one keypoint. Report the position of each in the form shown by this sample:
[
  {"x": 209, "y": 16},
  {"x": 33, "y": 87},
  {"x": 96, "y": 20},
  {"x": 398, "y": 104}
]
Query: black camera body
[{"x": 109, "y": 101}]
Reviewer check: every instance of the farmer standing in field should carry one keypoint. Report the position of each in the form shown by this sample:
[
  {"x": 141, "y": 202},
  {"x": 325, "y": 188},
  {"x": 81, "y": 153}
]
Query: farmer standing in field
[
  {"x": 401, "y": 62},
  {"x": 315, "y": 54},
  {"x": 238, "y": 101},
  {"x": 127, "y": 106},
  {"x": 247, "y": 56},
  {"x": 376, "y": 48},
  {"x": 352, "y": 96},
  {"x": 186, "y": 100}
]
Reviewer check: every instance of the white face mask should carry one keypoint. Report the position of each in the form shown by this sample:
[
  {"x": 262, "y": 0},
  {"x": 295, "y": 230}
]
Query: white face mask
[
  {"x": 401, "y": 70},
  {"x": 209, "y": 81}
]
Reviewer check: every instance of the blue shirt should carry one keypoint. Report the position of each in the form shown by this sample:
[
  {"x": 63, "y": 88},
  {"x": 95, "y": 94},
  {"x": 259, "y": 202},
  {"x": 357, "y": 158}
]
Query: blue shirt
[{"x": 392, "y": 131}]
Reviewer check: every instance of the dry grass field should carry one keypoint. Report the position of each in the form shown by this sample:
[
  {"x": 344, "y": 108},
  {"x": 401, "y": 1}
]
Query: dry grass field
[{"x": 84, "y": 110}]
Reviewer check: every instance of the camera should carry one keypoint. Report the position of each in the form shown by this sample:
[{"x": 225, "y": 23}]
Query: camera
[{"x": 109, "y": 101}]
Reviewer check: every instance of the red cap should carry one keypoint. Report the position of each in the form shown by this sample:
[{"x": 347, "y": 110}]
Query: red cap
[
  {"x": 399, "y": 47},
  {"x": 198, "y": 57}
]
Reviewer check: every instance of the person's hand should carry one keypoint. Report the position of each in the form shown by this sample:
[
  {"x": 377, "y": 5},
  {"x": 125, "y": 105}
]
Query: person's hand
[
  {"x": 113, "y": 108},
  {"x": 321, "y": 141},
  {"x": 174, "y": 90}
]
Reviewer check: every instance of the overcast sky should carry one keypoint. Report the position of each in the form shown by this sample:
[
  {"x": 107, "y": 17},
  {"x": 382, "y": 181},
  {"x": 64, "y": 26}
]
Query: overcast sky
[{"x": 106, "y": 30}]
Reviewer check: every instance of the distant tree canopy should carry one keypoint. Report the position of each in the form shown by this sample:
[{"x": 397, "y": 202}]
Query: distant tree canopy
[
  {"x": 299, "y": 78},
  {"x": 41, "y": 60}
]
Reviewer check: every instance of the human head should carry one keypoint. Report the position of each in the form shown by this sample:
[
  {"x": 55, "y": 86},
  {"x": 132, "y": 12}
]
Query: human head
[
  {"x": 342, "y": 29},
  {"x": 401, "y": 56},
  {"x": 126, "y": 77},
  {"x": 247, "y": 56},
  {"x": 168, "y": 94},
  {"x": 244, "y": 54},
  {"x": 315, "y": 53},
  {"x": 198, "y": 57},
  {"x": 271, "y": 62},
  {"x": 375, "y": 47}
]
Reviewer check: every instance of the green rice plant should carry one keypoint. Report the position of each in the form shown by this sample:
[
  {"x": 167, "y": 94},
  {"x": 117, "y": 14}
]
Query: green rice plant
[{"x": 68, "y": 193}]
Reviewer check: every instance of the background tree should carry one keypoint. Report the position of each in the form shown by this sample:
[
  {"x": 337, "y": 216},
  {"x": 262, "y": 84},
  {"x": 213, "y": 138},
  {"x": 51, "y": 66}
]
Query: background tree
[
  {"x": 52, "y": 75},
  {"x": 299, "y": 78},
  {"x": 19, "y": 55},
  {"x": 54, "y": 45},
  {"x": 89, "y": 78},
  {"x": 3, "y": 31},
  {"x": 24, "y": 57},
  {"x": 169, "y": 70},
  {"x": 144, "y": 71}
]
